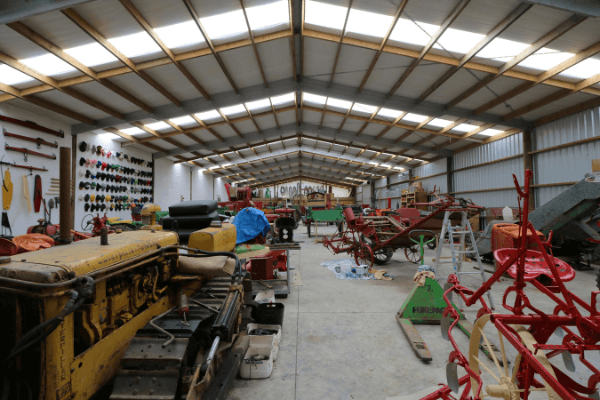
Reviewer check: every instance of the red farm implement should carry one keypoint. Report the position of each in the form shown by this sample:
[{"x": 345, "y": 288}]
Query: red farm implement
[
  {"x": 373, "y": 239},
  {"x": 529, "y": 338}
]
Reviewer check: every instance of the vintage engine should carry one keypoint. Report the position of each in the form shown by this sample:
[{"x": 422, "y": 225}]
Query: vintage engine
[{"x": 71, "y": 312}]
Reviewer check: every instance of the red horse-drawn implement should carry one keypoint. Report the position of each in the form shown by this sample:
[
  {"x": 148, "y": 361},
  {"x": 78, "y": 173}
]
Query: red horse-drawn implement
[
  {"x": 373, "y": 239},
  {"x": 525, "y": 331}
]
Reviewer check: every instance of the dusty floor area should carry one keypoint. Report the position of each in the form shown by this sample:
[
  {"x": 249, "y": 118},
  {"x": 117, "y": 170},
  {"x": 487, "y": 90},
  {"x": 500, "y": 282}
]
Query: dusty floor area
[{"x": 341, "y": 340}]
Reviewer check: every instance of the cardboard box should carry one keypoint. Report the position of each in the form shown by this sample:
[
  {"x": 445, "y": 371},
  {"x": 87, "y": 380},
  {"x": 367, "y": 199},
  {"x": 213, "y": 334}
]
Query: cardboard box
[{"x": 596, "y": 165}]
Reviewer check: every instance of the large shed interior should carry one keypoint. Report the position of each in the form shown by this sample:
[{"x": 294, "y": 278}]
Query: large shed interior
[{"x": 311, "y": 147}]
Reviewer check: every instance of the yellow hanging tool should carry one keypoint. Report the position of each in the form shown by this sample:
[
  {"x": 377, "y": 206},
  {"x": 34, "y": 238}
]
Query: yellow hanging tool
[{"x": 7, "y": 190}]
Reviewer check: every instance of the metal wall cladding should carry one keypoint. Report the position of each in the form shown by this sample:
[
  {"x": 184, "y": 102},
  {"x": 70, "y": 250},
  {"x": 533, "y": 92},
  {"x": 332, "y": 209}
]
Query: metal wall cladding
[
  {"x": 499, "y": 198},
  {"x": 492, "y": 176},
  {"x": 569, "y": 164},
  {"x": 507, "y": 147},
  {"x": 436, "y": 167},
  {"x": 437, "y": 183}
]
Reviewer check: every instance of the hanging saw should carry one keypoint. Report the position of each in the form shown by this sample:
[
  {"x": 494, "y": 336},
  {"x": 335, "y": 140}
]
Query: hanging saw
[
  {"x": 38, "y": 141},
  {"x": 32, "y": 125},
  {"x": 27, "y": 152}
]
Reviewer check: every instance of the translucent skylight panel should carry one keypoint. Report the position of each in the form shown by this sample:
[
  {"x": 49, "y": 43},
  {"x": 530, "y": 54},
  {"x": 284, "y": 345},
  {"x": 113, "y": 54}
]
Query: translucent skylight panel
[
  {"x": 212, "y": 114},
  {"x": 10, "y": 76},
  {"x": 284, "y": 98},
  {"x": 136, "y": 44},
  {"x": 442, "y": 123},
  {"x": 407, "y": 31},
  {"x": 490, "y": 132},
  {"x": 132, "y": 131},
  {"x": 109, "y": 135},
  {"x": 258, "y": 104},
  {"x": 313, "y": 98},
  {"x": 158, "y": 125},
  {"x": 458, "y": 41},
  {"x": 368, "y": 23},
  {"x": 583, "y": 70},
  {"x": 502, "y": 49},
  {"x": 338, "y": 103},
  {"x": 269, "y": 15},
  {"x": 237, "y": 109},
  {"x": 414, "y": 118},
  {"x": 91, "y": 54},
  {"x": 225, "y": 25},
  {"x": 180, "y": 35},
  {"x": 183, "y": 120},
  {"x": 364, "y": 108},
  {"x": 465, "y": 127},
  {"x": 389, "y": 113},
  {"x": 326, "y": 15},
  {"x": 545, "y": 58},
  {"x": 48, "y": 64}
]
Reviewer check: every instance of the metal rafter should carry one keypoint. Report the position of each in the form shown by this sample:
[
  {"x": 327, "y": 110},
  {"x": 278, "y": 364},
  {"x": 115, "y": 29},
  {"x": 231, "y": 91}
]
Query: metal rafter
[
  {"x": 445, "y": 25},
  {"x": 548, "y": 38},
  {"x": 209, "y": 42},
  {"x": 100, "y": 39},
  {"x": 494, "y": 33},
  {"x": 307, "y": 129}
]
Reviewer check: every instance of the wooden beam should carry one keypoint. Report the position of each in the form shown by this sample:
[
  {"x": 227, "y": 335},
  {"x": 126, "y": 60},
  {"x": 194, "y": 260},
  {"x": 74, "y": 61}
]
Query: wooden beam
[
  {"x": 8, "y": 60},
  {"x": 339, "y": 47},
  {"x": 254, "y": 47},
  {"x": 100, "y": 39},
  {"x": 568, "y": 63},
  {"x": 146, "y": 26},
  {"x": 494, "y": 33},
  {"x": 109, "y": 73},
  {"x": 209, "y": 42},
  {"x": 586, "y": 105},
  {"x": 445, "y": 25},
  {"x": 384, "y": 42},
  {"x": 44, "y": 43},
  {"x": 411, "y": 131},
  {"x": 548, "y": 38}
]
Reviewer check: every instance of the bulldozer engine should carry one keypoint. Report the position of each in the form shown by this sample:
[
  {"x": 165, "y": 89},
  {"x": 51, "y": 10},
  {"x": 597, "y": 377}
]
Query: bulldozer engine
[{"x": 88, "y": 320}]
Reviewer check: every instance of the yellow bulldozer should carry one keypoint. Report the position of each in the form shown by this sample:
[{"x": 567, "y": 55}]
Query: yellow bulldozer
[{"x": 131, "y": 315}]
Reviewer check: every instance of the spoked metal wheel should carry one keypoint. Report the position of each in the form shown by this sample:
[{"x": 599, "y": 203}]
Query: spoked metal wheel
[
  {"x": 363, "y": 255},
  {"x": 383, "y": 255},
  {"x": 498, "y": 381},
  {"x": 413, "y": 253}
]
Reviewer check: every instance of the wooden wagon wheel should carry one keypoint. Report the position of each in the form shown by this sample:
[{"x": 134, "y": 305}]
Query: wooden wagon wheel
[
  {"x": 413, "y": 253},
  {"x": 507, "y": 385}
]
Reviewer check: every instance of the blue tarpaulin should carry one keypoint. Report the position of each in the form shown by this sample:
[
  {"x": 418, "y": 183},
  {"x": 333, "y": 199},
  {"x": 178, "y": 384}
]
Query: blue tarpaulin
[{"x": 250, "y": 222}]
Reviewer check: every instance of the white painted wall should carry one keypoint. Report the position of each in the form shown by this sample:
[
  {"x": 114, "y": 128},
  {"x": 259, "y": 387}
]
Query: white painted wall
[
  {"x": 172, "y": 182},
  {"x": 107, "y": 143},
  {"x": 219, "y": 189},
  {"x": 202, "y": 185},
  {"x": 19, "y": 216}
]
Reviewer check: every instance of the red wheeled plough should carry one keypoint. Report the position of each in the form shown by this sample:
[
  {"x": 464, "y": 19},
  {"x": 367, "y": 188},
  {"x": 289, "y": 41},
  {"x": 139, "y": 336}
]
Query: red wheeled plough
[
  {"x": 374, "y": 239},
  {"x": 525, "y": 331}
]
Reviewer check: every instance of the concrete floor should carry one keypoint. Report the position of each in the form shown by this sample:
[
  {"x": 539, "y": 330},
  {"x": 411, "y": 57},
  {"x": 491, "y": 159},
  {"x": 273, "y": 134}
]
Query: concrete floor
[{"x": 341, "y": 340}]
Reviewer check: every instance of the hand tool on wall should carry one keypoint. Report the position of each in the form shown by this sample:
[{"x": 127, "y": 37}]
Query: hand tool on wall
[
  {"x": 38, "y": 141},
  {"x": 37, "y": 193},
  {"x": 23, "y": 166},
  {"x": 7, "y": 190},
  {"x": 27, "y": 152},
  {"x": 32, "y": 125}
]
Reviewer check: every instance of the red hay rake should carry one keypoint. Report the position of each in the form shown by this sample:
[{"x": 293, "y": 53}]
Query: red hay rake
[{"x": 526, "y": 328}]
